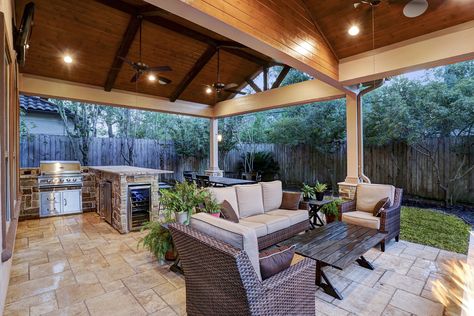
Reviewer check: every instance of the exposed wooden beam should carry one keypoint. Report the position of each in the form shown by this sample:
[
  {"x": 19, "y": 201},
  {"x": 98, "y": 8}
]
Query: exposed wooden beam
[
  {"x": 265, "y": 79},
  {"x": 198, "y": 66},
  {"x": 281, "y": 76},
  {"x": 122, "y": 51},
  {"x": 253, "y": 85},
  {"x": 230, "y": 46}
]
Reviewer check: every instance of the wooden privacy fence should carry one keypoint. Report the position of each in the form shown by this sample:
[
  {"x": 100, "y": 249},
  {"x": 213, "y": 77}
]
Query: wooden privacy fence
[{"x": 397, "y": 163}]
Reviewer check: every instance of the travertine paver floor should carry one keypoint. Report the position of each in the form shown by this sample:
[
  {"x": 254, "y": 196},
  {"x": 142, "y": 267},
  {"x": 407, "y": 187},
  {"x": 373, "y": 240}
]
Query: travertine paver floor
[{"x": 79, "y": 265}]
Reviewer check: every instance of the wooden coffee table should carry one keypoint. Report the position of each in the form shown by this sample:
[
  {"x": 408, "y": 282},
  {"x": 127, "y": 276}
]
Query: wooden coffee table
[{"x": 337, "y": 245}]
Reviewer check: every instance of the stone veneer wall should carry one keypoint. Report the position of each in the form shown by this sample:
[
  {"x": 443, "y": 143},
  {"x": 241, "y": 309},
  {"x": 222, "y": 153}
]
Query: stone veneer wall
[
  {"x": 120, "y": 185},
  {"x": 30, "y": 192}
]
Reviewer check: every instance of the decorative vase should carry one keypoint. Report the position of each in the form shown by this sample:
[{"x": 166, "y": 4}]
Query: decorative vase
[
  {"x": 319, "y": 196},
  {"x": 216, "y": 214},
  {"x": 181, "y": 217},
  {"x": 330, "y": 218}
]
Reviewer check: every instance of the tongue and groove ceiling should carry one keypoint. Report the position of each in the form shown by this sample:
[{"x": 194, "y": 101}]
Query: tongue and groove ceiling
[{"x": 313, "y": 31}]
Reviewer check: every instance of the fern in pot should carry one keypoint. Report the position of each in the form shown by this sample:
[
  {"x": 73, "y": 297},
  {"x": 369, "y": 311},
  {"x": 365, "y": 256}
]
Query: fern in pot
[
  {"x": 158, "y": 241},
  {"x": 308, "y": 192},
  {"x": 209, "y": 204},
  {"x": 331, "y": 211}
]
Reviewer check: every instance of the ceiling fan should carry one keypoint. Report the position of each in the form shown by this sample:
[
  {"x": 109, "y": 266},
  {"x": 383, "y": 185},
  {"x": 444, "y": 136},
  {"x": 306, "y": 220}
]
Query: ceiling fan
[
  {"x": 219, "y": 86},
  {"x": 412, "y": 9},
  {"x": 141, "y": 68}
]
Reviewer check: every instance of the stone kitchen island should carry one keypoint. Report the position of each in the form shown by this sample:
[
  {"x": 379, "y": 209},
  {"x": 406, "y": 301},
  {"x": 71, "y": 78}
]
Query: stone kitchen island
[{"x": 126, "y": 194}]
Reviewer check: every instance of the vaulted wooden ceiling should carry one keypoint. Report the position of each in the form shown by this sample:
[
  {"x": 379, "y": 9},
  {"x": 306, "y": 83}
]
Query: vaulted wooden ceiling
[
  {"x": 334, "y": 18},
  {"x": 96, "y": 32},
  {"x": 93, "y": 32}
]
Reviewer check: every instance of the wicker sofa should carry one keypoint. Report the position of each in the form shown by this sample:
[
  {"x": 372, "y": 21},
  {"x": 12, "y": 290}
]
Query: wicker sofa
[
  {"x": 258, "y": 208},
  {"x": 222, "y": 278},
  {"x": 359, "y": 210}
]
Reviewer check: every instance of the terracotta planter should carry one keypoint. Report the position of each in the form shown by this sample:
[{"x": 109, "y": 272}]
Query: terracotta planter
[
  {"x": 330, "y": 218},
  {"x": 319, "y": 196},
  {"x": 170, "y": 255}
]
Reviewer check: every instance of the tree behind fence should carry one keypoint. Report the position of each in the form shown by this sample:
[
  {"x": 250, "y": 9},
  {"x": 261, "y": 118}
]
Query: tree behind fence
[{"x": 396, "y": 163}]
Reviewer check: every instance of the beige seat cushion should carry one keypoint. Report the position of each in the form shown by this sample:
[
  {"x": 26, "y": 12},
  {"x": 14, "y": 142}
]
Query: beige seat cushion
[
  {"x": 249, "y": 199},
  {"x": 237, "y": 235},
  {"x": 221, "y": 194},
  {"x": 260, "y": 228},
  {"x": 367, "y": 195},
  {"x": 272, "y": 195},
  {"x": 295, "y": 217},
  {"x": 274, "y": 223},
  {"x": 362, "y": 219}
]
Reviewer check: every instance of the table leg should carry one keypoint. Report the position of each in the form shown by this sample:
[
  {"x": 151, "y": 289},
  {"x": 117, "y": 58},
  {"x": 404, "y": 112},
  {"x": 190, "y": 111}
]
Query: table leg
[
  {"x": 326, "y": 285},
  {"x": 364, "y": 263}
]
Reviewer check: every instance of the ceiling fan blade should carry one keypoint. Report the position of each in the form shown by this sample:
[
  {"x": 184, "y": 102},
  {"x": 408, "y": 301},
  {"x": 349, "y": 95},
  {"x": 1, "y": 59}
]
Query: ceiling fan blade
[
  {"x": 231, "y": 85},
  {"x": 235, "y": 91},
  {"x": 163, "y": 80},
  {"x": 159, "y": 68},
  {"x": 135, "y": 77}
]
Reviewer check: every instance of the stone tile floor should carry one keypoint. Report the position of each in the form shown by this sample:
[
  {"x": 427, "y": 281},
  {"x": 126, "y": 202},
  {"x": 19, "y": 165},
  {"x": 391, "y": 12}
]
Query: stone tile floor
[{"x": 79, "y": 265}]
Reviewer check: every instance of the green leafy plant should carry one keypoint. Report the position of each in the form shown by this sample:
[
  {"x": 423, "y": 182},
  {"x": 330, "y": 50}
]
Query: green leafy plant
[
  {"x": 209, "y": 204},
  {"x": 331, "y": 209},
  {"x": 320, "y": 187},
  {"x": 184, "y": 197},
  {"x": 308, "y": 191},
  {"x": 261, "y": 161},
  {"x": 157, "y": 240}
]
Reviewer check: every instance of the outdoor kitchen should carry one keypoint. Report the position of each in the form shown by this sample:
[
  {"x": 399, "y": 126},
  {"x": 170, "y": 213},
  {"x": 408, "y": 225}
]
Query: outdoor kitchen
[{"x": 124, "y": 196}]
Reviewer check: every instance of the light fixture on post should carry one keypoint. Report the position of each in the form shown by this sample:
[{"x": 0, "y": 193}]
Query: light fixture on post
[{"x": 219, "y": 137}]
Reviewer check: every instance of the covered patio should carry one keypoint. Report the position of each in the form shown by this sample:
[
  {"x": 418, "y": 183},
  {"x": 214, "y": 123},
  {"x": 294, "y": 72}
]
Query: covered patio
[{"x": 84, "y": 51}]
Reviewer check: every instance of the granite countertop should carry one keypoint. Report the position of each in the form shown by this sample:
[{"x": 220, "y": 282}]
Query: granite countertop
[{"x": 129, "y": 170}]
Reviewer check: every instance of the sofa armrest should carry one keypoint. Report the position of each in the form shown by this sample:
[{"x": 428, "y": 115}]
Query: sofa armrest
[{"x": 349, "y": 206}]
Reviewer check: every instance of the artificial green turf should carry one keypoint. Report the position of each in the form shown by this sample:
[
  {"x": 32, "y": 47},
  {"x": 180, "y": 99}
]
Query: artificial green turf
[{"x": 434, "y": 228}]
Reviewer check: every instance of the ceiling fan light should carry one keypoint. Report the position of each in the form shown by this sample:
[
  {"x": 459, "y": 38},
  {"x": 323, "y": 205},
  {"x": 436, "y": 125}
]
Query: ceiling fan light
[
  {"x": 208, "y": 90},
  {"x": 353, "y": 30},
  {"x": 152, "y": 77},
  {"x": 415, "y": 8}
]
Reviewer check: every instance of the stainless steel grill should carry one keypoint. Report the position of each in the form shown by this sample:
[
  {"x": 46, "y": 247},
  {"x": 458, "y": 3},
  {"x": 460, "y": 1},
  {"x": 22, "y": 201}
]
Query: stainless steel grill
[
  {"x": 60, "y": 174},
  {"x": 60, "y": 184}
]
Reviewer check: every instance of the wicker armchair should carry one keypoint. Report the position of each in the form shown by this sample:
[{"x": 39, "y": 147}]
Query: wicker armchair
[
  {"x": 220, "y": 280},
  {"x": 389, "y": 218}
]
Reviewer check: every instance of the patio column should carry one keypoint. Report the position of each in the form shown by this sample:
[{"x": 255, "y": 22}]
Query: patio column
[
  {"x": 353, "y": 128},
  {"x": 214, "y": 150}
]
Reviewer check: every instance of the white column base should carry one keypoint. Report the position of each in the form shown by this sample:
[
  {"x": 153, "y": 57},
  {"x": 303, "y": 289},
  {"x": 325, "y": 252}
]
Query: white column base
[{"x": 214, "y": 172}]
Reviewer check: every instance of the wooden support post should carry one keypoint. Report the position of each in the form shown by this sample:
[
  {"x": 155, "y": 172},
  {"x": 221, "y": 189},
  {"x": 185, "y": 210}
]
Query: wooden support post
[
  {"x": 214, "y": 149},
  {"x": 253, "y": 85},
  {"x": 281, "y": 76},
  {"x": 265, "y": 79}
]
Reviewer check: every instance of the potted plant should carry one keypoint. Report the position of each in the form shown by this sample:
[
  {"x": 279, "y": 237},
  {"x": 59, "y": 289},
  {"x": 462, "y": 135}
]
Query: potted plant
[
  {"x": 181, "y": 201},
  {"x": 331, "y": 211},
  {"x": 308, "y": 192},
  {"x": 209, "y": 204},
  {"x": 158, "y": 241},
  {"x": 319, "y": 189}
]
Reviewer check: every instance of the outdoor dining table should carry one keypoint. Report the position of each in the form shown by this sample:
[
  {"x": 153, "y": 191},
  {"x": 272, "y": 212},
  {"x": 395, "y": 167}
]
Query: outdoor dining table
[{"x": 227, "y": 182}]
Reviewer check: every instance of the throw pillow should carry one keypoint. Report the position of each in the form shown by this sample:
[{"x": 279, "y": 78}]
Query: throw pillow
[
  {"x": 290, "y": 200},
  {"x": 275, "y": 260},
  {"x": 380, "y": 206},
  {"x": 228, "y": 213}
]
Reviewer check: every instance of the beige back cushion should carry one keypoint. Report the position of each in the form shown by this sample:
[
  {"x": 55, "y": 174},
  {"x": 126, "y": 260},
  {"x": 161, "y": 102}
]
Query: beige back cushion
[
  {"x": 221, "y": 194},
  {"x": 237, "y": 235},
  {"x": 272, "y": 195},
  {"x": 250, "y": 200},
  {"x": 368, "y": 195}
]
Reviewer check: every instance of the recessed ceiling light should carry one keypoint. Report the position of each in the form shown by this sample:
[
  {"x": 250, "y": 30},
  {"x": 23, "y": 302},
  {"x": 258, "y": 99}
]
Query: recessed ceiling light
[
  {"x": 151, "y": 77},
  {"x": 353, "y": 30},
  {"x": 67, "y": 59},
  {"x": 208, "y": 90}
]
